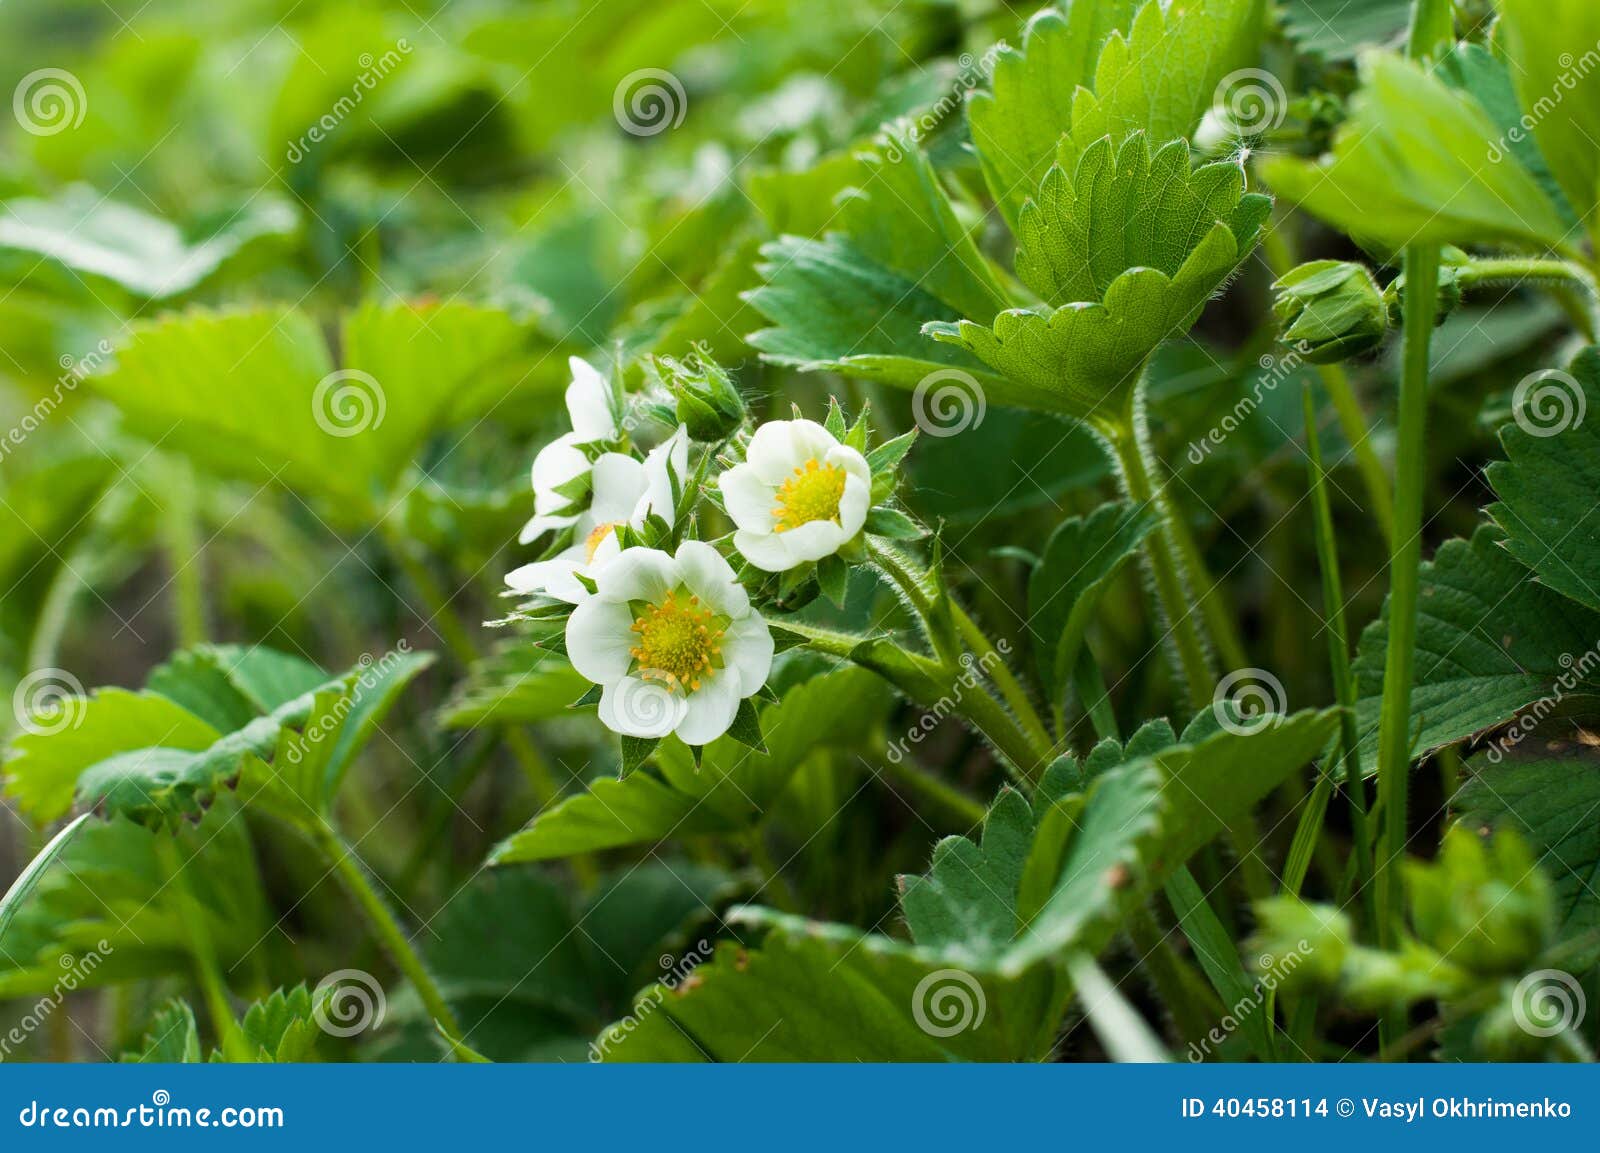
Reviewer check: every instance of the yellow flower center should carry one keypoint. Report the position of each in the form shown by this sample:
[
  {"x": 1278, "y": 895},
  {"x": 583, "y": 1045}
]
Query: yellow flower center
[
  {"x": 680, "y": 641},
  {"x": 813, "y": 492},
  {"x": 596, "y": 538}
]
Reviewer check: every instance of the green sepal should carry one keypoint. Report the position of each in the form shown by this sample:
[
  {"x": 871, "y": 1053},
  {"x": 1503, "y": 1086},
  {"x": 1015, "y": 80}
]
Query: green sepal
[
  {"x": 856, "y": 438},
  {"x": 834, "y": 577},
  {"x": 785, "y": 639},
  {"x": 834, "y": 422},
  {"x": 592, "y": 697},
  {"x": 635, "y": 751},
  {"x": 892, "y": 523},
  {"x": 746, "y": 727},
  {"x": 890, "y": 453}
]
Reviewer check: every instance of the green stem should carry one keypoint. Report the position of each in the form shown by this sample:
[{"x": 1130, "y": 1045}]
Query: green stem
[
  {"x": 1339, "y": 662},
  {"x": 963, "y": 812},
  {"x": 1353, "y": 423},
  {"x": 1433, "y": 27},
  {"x": 1394, "y": 732},
  {"x": 993, "y": 663},
  {"x": 1002, "y": 731},
  {"x": 1517, "y": 270},
  {"x": 1131, "y": 451},
  {"x": 387, "y": 929},
  {"x": 183, "y": 555},
  {"x": 207, "y": 972}
]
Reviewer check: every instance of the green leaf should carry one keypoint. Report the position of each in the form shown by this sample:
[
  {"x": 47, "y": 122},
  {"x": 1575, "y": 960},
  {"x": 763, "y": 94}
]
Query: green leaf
[
  {"x": 172, "y": 1039},
  {"x": 1550, "y": 792},
  {"x": 901, "y": 219},
  {"x": 281, "y": 1027},
  {"x": 1548, "y": 482},
  {"x": 1083, "y": 357},
  {"x": 287, "y": 418},
  {"x": 1491, "y": 640},
  {"x": 1415, "y": 162},
  {"x": 1557, "y": 91},
  {"x": 1080, "y": 560},
  {"x": 42, "y": 769},
  {"x": 1162, "y": 77},
  {"x": 734, "y": 788},
  {"x": 516, "y": 685},
  {"x": 811, "y": 992},
  {"x": 968, "y": 896},
  {"x": 1016, "y": 125},
  {"x": 833, "y": 309},
  {"x": 1146, "y": 817},
  {"x": 532, "y": 970},
  {"x": 105, "y": 909},
  {"x": 1341, "y": 33},
  {"x": 149, "y": 256}
]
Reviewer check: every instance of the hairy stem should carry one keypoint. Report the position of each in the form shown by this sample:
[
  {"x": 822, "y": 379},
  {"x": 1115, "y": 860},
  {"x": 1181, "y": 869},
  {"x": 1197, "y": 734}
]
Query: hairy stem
[{"x": 1131, "y": 452}]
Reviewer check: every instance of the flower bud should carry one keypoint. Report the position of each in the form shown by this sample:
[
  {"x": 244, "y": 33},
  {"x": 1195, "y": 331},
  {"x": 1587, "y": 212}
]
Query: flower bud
[
  {"x": 1332, "y": 308},
  {"x": 705, "y": 398}
]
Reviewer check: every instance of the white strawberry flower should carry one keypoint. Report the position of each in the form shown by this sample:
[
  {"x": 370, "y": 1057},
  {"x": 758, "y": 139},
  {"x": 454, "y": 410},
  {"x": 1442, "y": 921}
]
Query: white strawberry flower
[
  {"x": 799, "y": 496},
  {"x": 672, "y": 641},
  {"x": 562, "y": 460},
  {"x": 625, "y": 492}
]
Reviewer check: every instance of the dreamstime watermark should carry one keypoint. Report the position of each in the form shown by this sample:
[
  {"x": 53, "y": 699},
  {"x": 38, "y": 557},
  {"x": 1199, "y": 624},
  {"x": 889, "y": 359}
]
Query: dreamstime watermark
[
  {"x": 947, "y": 402},
  {"x": 325, "y": 725},
  {"x": 974, "y": 73},
  {"x": 74, "y": 370},
  {"x": 1277, "y": 370},
  {"x": 1573, "y": 69},
  {"x": 1274, "y": 971},
  {"x": 648, "y": 101},
  {"x": 348, "y": 402},
  {"x": 373, "y": 70},
  {"x": 78, "y": 969},
  {"x": 160, "y": 1113},
  {"x": 1547, "y": 1002},
  {"x": 1250, "y": 102},
  {"x": 1548, "y": 402},
  {"x": 347, "y": 1002},
  {"x": 1249, "y": 700},
  {"x": 973, "y": 669},
  {"x": 48, "y": 701},
  {"x": 677, "y": 978},
  {"x": 947, "y": 1002},
  {"x": 49, "y": 100},
  {"x": 1575, "y": 670}
]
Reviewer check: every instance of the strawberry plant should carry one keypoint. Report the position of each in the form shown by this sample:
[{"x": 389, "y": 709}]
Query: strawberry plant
[{"x": 816, "y": 532}]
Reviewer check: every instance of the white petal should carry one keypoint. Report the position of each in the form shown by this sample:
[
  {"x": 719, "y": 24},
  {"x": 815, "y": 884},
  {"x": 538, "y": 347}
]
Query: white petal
[
  {"x": 786, "y": 446},
  {"x": 853, "y": 504},
  {"x": 636, "y": 707},
  {"x": 557, "y": 463},
  {"x": 766, "y": 550},
  {"x": 589, "y": 403},
  {"x": 668, "y": 460},
  {"x": 539, "y": 525},
  {"x": 747, "y": 647},
  {"x": 711, "y": 709},
  {"x": 618, "y": 484},
  {"x": 709, "y": 577},
  {"x": 749, "y": 500},
  {"x": 540, "y": 576},
  {"x": 773, "y": 454},
  {"x": 599, "y": 637},
  {"x": 637, "y": 574},
  {"x": 813, "y": 540}
]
